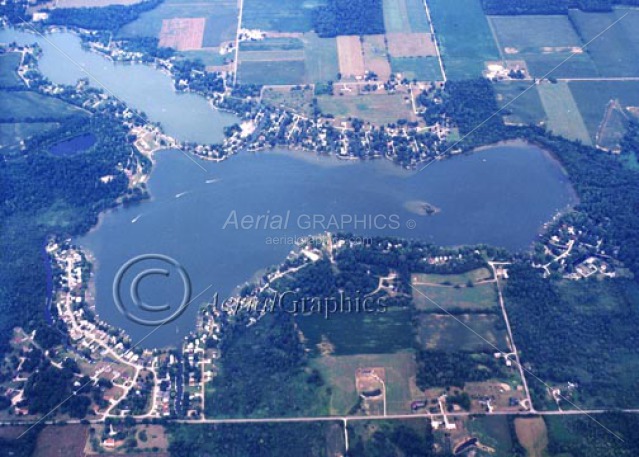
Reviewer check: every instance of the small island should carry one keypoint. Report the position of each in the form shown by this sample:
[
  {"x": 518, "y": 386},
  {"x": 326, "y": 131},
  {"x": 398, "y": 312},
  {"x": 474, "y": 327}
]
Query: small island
[{"x": 422, "y": 208}]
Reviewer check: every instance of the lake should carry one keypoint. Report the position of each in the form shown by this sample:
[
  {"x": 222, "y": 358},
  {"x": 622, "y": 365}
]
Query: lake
[
  {"x": 221, "y": 225},
  {"x": 72, "y": 146},
  {"x": 187, "y": 117},
  {"x": 500, "y": 196}
]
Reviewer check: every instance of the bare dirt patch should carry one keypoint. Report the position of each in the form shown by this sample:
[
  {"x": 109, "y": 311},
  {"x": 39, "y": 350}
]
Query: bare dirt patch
[
  {"x": 532, "y": 434},
  {"x": 67, "y": 440},
  {"x": 351, "y": 56},
  {"x": 411, "y": 45},
  {"x": 182, "y": 34}
]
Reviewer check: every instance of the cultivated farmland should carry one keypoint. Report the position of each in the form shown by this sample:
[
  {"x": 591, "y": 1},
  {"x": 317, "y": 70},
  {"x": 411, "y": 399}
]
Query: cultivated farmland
[
  {"x": 612, "y": 51},
  {"x": 220, "y": 20},
  {"x": 404, "y": 16},
  {"x": 562, "y": 112},
  {"x": 340, "y": 374},
  {"x": 447, "y": 333},
  {"x": 464, "y": 36},
  {"x": 545, "y": 43},
  {"x": 378, "y": 108},
  {"x": 411, "y": 45},
  {"x": 182, "y": 34},
  {"x": 375, "y": 56},
  {"x": 418, "y": 68},
  {"x": 594, "y": 97},
  {"x": 520, "y": 101},
  {"x": 279, "y": 15},
  {"x": 351, "y": 56}
]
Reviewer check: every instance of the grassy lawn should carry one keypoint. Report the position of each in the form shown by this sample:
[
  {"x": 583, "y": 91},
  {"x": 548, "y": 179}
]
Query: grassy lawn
[
  {"x": 493, "y": 431},
  {"x": 339, "y": 372},
  {"x": 12, "y": 134},
  {"x": 377, "y": 333},
  {"x": 447, "y": 333},
  {"x": 419, "y": 68},
  {"x": 592, "y": 98},
  {"x": 279, "y": 15},
  {"x": 378, "y": 109},
  {"x": 524, "y": 104},
  {"x": 615, "y": 52},
  {"x": 453, "y": 279},
  {"x": 479, "y": 297},
  {"x": 272, "y": 72},
  {"x": 547, "y": 42},
  {"x": 405, "y": 16},
  {"x": 464, "y": 35},
  {"x": 320, "y": 58},
  {"x": 21, "y": 105},
  {"x": 8, "y": 65},
  {"x": 563, "y": 113}
]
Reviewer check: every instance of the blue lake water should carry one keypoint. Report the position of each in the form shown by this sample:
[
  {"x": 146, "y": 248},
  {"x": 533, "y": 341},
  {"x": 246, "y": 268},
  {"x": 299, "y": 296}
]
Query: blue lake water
[
  {"x": 500, "y": 196},
  {"x": 72, "y": 146}
]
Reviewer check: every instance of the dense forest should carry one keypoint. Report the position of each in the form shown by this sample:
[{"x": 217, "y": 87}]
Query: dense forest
[
  {"x": 611, "y": 435},
  {"x": 311, "y": 439},
  {"x": 41, "y": 195},
  {"x": 349, "y": 17},
  {"x": 436, "y": 368},
  {"x": 264, "y": 373},
  {"x": 391, "y": 439},
  {"x": 110, "y": 18},
  {"x": 583, "y": 333}
]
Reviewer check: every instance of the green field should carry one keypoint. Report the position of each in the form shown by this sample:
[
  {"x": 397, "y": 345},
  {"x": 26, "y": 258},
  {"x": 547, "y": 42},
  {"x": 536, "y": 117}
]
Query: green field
[
  {"x": 475, "y": 332},
  {"x": 493, "y": 431},
  {"x": 8, "y": 65},
  {"x": 592, "y": 98},
  {"x": 279, "y": 15},
  {"x": 320, "y": 58},
  {"x": 207, "y": 57},
  {"x": 546, "y": 45},
  {"x": 529, "y": 34},
  {"x": 271, "y": 56},
  {"x": 12, "y": 134},
  {"x": 615, "y": 52},
  {"x": 272, "y": 72},
  {"x": 461, "y": 279},
  {"x": 479, "y": 297},
  {"x": 377, "y": 333},
  {"x": 465, "y": 38},
  {"x": 520, "y": 101},
  {"x": 562, "y": 112},
  {"x": 19, "y": 106},
  {"x": 221, "y": 19},
  {"x": 405, "y": 16},
  {"x": 272, "y": 44},
  {"x": 339, "y": 373},
  {"x": 419, "y": 68},
  {"x": 378, "y": 109},
  {"x": 298, "y": 100}
]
